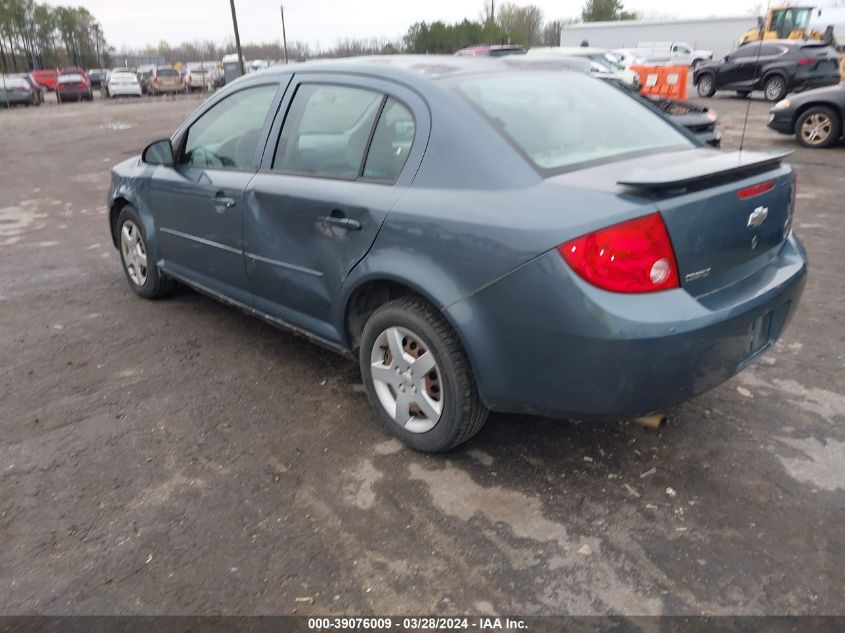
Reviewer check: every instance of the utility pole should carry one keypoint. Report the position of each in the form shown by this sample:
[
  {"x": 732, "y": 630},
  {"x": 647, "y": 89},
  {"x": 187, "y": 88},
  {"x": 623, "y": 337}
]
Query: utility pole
[
  {"x": 284, "y": 35},
  {"x": 237, "y": 38},
  {"x": 5, "y": 91}
]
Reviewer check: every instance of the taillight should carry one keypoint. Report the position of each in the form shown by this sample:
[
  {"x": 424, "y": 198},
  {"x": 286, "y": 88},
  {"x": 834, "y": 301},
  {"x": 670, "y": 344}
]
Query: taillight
[
  {"x": 755, "y": 190},
  {"x": 634, "y": 256},
  {"x": 787, "y": 226},
  {"x": 805, "y": 60}
]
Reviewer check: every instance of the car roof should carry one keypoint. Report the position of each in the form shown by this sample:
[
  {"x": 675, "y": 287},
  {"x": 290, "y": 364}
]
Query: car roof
[{"x": 410, "y": 68}]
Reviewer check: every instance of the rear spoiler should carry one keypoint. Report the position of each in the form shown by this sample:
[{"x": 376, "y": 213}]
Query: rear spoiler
[{"x": 717, "y": 165}]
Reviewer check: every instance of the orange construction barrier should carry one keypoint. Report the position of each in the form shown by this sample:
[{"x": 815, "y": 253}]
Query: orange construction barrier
[{"x": 663, "y": 81}]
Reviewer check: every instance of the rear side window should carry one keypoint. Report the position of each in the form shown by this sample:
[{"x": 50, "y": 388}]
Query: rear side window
[
  {"x": 326, "y": 131},
  {"x": 391, "y": 144},
  {"x": 560, "y": 120},
  {"x": 746, "y": 51},
  {"x": 226, "y": 136}
]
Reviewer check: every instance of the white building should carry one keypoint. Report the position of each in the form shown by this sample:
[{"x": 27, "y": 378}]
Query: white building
[{"x": 720, "y": 35}]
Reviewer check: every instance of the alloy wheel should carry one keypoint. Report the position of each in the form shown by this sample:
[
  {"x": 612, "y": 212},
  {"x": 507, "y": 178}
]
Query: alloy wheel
[
  {"x": 816, "y": 129},
  {"x": 406, "y": 379},
  {"x": 134, "y": 253},
  {"x": 774, "y": 89}
]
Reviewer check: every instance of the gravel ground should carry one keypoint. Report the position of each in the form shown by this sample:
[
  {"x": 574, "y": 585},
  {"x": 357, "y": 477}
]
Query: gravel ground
[{"x": 180, "y": 457}]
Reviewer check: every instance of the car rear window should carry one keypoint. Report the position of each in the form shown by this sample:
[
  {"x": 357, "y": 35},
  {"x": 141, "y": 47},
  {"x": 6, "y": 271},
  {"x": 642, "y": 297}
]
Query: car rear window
[
  {"x": 69, "y": 78},
  {"x": 560, "y": 120},
  {"x": 166, "y": 72}
]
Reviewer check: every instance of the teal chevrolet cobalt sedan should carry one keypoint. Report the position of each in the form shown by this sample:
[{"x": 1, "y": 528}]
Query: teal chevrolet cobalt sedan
[{"x": 480, "y": 237}]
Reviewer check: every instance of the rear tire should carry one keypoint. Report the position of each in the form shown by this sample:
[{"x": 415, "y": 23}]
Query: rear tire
[
  {"x": 706, "y": 85},
  {"x": 440, "y": 406},
  {"x": 141, "y": 271},
  {"x": 818, "y": 127},
  {"x": 775, "y": 88}
]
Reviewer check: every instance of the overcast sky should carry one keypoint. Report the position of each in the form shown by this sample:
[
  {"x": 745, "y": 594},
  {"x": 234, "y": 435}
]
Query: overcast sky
[{"x": 136, "y": 23}]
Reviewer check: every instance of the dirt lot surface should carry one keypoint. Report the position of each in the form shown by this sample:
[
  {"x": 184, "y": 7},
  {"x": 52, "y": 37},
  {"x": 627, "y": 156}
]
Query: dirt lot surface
[{"x": 181, "y": 457}]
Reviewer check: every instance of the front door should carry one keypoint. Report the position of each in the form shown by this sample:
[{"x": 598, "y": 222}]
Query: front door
[
  {"x": 198, "y": 204},
  {"x": 330, "y": 175}
]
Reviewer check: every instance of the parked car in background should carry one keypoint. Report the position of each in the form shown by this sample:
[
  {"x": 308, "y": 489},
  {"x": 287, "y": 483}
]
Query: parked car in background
[
  {"x": 123, "y": 83},
  {"x": 675, "y": 53},
  {"x": 145, "y": 73},
  {"x": 627, "y": 57},
  {"x": 73, "y": 87},
  {"x": 481, "y": 237},
  {"x": 496, "y": 50},
  {"x": 37, "y": 90},
  {"x": 75, "y": 70},
  {"x": 97, "y": 76},
  {"x": 45, "y": 78},
  {"x": 815, "y": 117},
  {"x": 598, "y": 55},
  {"x": 777, "y": 67},
  {"x": 15, "y": 90},
  {"x": 197, "y": 79},
  {"x": 164, "y": 79}
]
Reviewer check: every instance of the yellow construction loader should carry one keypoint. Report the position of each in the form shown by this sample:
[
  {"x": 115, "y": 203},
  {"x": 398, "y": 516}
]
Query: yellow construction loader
[{"x": 797, "y": 23}]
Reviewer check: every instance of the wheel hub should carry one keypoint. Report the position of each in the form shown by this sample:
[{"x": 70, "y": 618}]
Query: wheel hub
[{"x": 406, "y": 379}]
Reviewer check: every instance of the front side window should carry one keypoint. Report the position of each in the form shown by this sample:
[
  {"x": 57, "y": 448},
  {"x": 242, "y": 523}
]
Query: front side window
[
  {"x": 226, "y": 136},
  {"x": 391, "y": 143},
  {"x": 558, "y": 120},
  {"x": 326, "y": 131}
]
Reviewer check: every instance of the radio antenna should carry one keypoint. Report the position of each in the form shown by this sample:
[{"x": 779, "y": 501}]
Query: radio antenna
[{"x": 754, "y": 78}]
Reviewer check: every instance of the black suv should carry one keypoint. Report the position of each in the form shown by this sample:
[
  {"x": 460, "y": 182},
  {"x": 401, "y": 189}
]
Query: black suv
[{"x": 774, "y": 66}]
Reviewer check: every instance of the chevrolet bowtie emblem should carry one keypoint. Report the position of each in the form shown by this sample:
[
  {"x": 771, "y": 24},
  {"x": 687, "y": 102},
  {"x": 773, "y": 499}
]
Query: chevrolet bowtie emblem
[{"x": 758, "y": 216}]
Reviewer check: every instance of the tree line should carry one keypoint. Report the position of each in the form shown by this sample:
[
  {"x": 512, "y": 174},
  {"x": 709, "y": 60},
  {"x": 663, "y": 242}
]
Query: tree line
[{"x": 35, "y": 35}]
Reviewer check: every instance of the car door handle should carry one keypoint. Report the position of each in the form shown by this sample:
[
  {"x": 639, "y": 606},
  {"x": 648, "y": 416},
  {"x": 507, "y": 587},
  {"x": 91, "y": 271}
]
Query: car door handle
[
  {"x": 342, "y": 221},
  {"x": 220, "y": 200}
]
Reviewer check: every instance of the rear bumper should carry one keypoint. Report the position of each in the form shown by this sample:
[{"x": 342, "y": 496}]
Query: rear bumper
[
  {"x": 119, "y": 91},
  {"x": 542, "y": 341}
]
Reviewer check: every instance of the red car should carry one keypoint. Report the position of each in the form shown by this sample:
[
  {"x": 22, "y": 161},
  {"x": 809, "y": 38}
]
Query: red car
[
  {"x": 45, "y": 78},
  {"x": 75, "y": 70}
]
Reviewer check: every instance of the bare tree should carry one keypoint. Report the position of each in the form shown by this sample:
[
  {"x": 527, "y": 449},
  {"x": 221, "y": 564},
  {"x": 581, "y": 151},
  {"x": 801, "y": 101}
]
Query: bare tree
[{"x": 521, "y": 22}]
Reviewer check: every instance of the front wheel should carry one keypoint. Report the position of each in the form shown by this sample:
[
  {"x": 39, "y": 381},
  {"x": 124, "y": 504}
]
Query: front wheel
[
  {"x": 775, "y": 88},
  {"x": 818, "y": 127},
  {"x": 141, "y": 271},
  {"x": 706, "y": 86},
  {"x": 418, "y": 377}
]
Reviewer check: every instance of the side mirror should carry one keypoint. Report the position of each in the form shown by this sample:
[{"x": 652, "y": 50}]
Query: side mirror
[
  {"x": 725, "y": 59},
  {"x": 159, "y": 153}
]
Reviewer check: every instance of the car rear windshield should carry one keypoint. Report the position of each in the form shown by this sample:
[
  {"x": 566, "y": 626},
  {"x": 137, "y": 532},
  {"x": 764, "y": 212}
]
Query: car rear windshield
[
  {"x": 124, "y": 78},
  {"x": 560, "y": 120},
  {"x": 69, "y": 78},
  {"x": 166, "y": 72}
]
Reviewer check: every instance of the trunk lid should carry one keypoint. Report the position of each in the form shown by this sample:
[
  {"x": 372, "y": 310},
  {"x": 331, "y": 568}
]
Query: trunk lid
[{"x": 726, "y": 214}]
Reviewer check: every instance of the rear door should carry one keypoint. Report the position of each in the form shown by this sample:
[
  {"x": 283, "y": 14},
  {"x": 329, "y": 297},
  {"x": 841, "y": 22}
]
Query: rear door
[
  {"x": 738, "y": 71},
  {"x": 198, "y": 204},
  {"x": 347, "y": 150}
]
